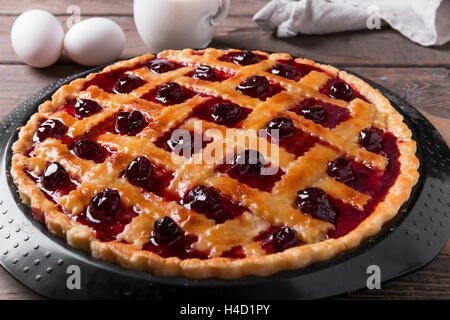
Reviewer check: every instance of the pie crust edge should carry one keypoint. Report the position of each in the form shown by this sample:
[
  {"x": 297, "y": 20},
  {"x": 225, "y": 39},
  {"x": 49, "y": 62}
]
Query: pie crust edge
[{"x": 80, "y": 237}]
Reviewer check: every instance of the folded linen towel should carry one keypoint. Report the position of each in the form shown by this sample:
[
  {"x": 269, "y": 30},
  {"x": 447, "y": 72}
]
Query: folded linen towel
[{"x": 426, "y": 22}]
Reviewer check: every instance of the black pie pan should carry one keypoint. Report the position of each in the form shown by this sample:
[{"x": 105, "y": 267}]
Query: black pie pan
[{"x": 45, "y": 263}]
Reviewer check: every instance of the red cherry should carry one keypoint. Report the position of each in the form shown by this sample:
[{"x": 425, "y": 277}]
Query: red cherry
[
  {"x": 204, "y": 73},
  {"x": 105, "y": 204},
  {"x": 226, "y": 113},
  {"x": 341, "y": 170},
  {"x": 245, "y": 58},
  {"x": 341, "y": 90},
  {"x": 371, "y": 139},
  {"x": 249, "y": 163},
  {"x": 128, "y": 83},
  {"x": 282, "y": 239},
  {"x": 140, "y": 173},
  {"x": 86, "y": 108},
  {"x": 204, "y": 200},
  {"x": 254, "y": 86},
  {"x": 89, "y": 150},
  {"x": 314, "y": 202},
  {"x": 165, "y": 230},
  {"x": 315, "y": 113},
  {"x": 51, "y": 128},
  {"x": 170, "y": 93},
  {"x": 284, "y": 70},
  {"x": 160, "y": 66},
  {"x": 53, "y": 176},
  {"x": 283, "y": 125},
  {"x": 130, "y": 123}
]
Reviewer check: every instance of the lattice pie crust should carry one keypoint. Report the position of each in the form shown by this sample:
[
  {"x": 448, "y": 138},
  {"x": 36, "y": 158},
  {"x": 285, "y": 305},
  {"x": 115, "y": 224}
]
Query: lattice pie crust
[{"x": 275, "y": 207}]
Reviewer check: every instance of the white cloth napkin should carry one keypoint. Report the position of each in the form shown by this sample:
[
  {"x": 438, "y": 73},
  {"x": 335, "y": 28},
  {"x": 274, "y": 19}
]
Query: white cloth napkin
[{"x": 426, "y": 22}]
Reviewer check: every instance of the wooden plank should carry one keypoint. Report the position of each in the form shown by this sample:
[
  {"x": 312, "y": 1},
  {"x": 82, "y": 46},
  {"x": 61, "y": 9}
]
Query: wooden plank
[
  {"x": 428, "y": 91},
  {"x": 359, "y": 48},
  {"x": 431, "y": 282},
  {"x": 107, "y": 7},
  {"x": 11, "y": 289},
  {"x": 22, "y": 81}
]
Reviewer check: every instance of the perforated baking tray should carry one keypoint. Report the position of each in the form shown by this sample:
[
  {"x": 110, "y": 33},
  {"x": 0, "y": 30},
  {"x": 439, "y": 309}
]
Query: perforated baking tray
[{"x": 48, "y": 266}]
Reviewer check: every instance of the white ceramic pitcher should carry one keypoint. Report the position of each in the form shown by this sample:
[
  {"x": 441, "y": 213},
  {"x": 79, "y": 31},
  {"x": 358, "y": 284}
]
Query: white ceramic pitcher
[{"x": 178, "y": 24}]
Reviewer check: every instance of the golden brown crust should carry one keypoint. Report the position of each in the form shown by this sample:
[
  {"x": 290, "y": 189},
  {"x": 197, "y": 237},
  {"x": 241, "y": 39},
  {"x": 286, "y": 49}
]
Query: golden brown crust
[{"x": 378, "y": 113}]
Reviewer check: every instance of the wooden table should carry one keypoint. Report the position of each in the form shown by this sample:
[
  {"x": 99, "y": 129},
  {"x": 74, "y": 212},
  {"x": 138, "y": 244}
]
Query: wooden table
[{"x": 417, "y": 74}]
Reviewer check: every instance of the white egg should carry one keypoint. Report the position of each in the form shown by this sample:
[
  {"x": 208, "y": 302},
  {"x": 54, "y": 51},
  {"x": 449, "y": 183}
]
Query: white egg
[
  {"x": 37, "y": 38},
  {"x": 94, "y": 41}
]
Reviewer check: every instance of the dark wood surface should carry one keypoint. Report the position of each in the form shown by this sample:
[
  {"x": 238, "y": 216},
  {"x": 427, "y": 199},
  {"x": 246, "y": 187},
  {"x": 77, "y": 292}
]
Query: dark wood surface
[{"x": 419, "y": 75}]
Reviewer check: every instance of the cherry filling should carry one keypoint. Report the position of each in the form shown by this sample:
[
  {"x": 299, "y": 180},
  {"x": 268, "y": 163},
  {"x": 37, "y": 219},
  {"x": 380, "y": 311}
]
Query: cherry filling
[
  {"x": 144, "y": 174},
  {"x": 326, "y": 114},
  {"x": 221, "y": 112},
  {"x": 128, "y": 83},
  {"x": 50, "y": 128},
  {"x": 373, "y": 182},
  {"x": 169, "y": 93},
  {"x": 108, "y": 80},
  {"x": 292, "y": 70},
  {"x": 116, "y": 81},
  {"x": 89, "y": 150},
  {"x": 298, "y": 142},
  {"x": 130, "y": 123},
  {"x": 236, "y": 252},
  {"x": 54, "y": 181},
  {"x": 258, "y": 87},
  {"x": 161, "y": 66},
  {"x": 243, "y": 58},
  {"x": 314, "y": 202},
  {"x": 250, "y": 167},
  {"x": 81, "y": 108},
  {"x": 277, "y": 239},
  {"x": 370, "y": 139},
  {"x": 168, "y": 240},
  {"x": 376, "y": 183},
  {"x": 106, "y": 215},
  {"x": 213, "y": 205},
  {"x": 338, "y": 89},
  {"x": 183, "y": 142}
]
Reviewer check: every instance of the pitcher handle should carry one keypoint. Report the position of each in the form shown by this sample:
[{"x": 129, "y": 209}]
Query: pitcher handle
[{"x": 222, "y": 12}]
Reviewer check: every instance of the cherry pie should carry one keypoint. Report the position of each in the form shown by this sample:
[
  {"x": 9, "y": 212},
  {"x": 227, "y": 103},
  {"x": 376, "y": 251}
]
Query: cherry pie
[{"x": 100, "y": 165}]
